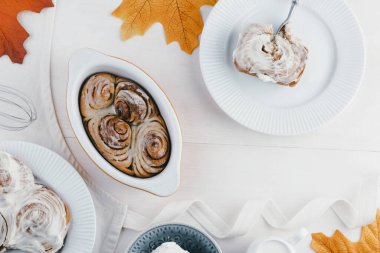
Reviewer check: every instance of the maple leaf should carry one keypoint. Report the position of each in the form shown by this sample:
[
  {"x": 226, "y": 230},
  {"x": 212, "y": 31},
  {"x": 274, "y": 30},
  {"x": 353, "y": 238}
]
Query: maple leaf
[
  {"x": 181, "y": 19},
  {"x": 12, "y": 34},
  {"x": 338, "y": 243}
]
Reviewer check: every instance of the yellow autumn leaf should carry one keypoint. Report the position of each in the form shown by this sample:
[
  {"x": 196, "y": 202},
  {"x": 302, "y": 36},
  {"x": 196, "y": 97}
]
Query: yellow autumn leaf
[
  {"x": 338, "y": 243},
  {"x": 181, "y": 19}
]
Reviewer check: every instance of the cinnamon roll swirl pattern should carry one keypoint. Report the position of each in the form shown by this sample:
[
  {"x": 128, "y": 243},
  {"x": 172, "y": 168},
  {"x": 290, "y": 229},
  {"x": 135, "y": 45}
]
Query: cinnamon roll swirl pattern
[
  {"x": 113, "y": 137},
  {"x": 97, "y": 93},
  {"x": 125, "y": 125},
  {"x": 35, "y": 219},
  {"x": 152, "y": 147},
  {"x": 132, "y": 104},
  {"x": 39, "y": 223},
  {"x": 279, "y": 59},
  {"x": 15, "y": 179}
]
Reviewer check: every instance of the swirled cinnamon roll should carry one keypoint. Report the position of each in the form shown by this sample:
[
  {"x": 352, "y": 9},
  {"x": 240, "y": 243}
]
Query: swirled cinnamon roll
[
  {"x": 15, "y": 178},
  {"x": 97, "y": 94},
  {"x": 39, "y": 223},
  {"x": 280, "y": 59},
  {"x": 152, "y": 144},
  {"x": 132, "y": 103},
  {"x": 112, "y": 136}
]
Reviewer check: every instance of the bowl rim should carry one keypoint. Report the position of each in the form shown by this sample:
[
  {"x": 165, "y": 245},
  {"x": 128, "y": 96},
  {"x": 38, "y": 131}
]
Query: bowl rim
[
  {"x": 158, "y": 225},
  {"x": 153, "y": 185}
]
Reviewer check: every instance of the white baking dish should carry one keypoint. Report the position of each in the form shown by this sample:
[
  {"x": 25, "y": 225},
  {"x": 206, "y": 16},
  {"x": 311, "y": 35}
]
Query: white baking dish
[{"x": 86, "y": 62}]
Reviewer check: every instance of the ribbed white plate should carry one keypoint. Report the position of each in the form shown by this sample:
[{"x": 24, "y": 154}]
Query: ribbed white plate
[
  {"x": 332, "y": 77},
  {"x": 55, "y": 172}
]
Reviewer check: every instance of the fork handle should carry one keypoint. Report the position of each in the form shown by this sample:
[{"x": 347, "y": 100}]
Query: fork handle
[{"x": 294, "y": 4}]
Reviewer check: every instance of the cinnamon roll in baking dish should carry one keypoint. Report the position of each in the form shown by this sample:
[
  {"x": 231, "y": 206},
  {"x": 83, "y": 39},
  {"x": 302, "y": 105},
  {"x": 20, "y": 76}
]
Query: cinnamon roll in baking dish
[
  {"x": 152, "y": 147},
  {"x": 132, "y": 103},
  {"x": 112, "y": 137},
  {"x": 97, "y": 94},
  {"x": 280, "y": 59},
  {"x": 124, "y": 124}
]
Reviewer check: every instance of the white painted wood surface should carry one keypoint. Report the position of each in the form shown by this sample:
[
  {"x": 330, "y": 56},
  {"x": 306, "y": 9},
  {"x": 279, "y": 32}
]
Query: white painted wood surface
[{"x": 223, "y": 163}]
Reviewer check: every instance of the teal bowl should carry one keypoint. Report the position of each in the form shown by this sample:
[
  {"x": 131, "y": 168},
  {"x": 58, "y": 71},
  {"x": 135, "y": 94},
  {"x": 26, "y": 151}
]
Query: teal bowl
[{"x": 189, "y": 238}]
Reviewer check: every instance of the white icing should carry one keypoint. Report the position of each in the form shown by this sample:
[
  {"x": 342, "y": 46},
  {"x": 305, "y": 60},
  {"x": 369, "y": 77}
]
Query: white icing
[
  {"x": 33, "y": 218},
  {"x": 281, "y": 59},
  {"x": 169, "y": 247},
  {"x": 15, "y": 179},
  {"x": 38, "y": 223},
  {"x": 97, "y": 94}
]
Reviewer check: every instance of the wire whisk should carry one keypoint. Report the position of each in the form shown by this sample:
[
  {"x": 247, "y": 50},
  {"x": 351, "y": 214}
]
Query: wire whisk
[{"x": 17, "y": 111}]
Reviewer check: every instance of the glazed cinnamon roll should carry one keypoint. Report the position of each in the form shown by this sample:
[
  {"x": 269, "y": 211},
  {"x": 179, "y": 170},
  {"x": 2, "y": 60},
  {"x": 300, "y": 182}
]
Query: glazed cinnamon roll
[
  {"x": 112, "y": 136},
  {"x": 132, "y": 103},
  {"x": 97, "y": 94},
  {"x": 280, "y": 59},
  {"x": 39, "y": 223},
  {"x": 15, "y": 179},
  {"x": 152, "y": 148}
]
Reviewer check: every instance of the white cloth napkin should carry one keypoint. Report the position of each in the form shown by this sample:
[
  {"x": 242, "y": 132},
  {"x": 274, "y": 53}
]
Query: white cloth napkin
[{"x": 351, "y": 214}]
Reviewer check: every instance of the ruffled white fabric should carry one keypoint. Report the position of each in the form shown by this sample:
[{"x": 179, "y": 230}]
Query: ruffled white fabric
[{"x": 352, "y": 215}]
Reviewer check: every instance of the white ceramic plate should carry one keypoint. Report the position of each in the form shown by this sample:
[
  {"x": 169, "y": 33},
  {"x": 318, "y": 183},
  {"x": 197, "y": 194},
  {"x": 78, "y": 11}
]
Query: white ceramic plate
[
  {"x": 55, "y": 172},
  {"x": 332, "y": 77},
  {"x": 86, "y": 62}
]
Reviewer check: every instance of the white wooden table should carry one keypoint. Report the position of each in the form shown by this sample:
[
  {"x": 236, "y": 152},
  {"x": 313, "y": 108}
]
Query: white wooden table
[{"x": 223, "y": 163}]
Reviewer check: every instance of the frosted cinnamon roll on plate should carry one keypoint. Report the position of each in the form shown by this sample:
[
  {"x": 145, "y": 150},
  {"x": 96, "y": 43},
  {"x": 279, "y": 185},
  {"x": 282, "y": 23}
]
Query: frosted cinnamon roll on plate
[
  {"x": 125, "y": 125},
  {"x": 38, "y": 223},
  {"x": 279, "y": 59},
  {"x": 33, "y": 218}
]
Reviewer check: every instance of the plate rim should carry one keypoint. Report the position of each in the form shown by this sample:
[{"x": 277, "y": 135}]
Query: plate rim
[{"x": 361, "y": 70}]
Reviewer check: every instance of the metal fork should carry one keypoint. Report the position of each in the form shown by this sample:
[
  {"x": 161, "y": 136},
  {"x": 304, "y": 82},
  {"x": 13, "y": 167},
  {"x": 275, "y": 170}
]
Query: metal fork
[{"x": 287, "y": 20}]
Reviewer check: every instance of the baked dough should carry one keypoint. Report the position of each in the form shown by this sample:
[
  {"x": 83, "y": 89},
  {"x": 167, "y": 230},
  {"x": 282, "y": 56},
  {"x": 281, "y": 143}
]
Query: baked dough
[{"x": 280, "y": 59}]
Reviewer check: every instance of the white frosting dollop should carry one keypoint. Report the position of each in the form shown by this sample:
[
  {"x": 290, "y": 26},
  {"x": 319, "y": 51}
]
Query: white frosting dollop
[
  {"x": 15, "y": 179},
  {"x": 281, "y": 59},
  {"x": 169, "y": 247}
]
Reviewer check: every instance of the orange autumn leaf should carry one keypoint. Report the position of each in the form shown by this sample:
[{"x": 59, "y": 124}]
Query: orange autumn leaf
[
  {"x": 12, "y": 34},
  {"x": 338, "y": 243},
  {"x": 181, "y": 19}
]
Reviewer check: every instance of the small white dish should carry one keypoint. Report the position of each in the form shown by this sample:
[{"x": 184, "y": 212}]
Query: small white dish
[
  {"x": 55, "y": 172},
  {"x": 86, "y": 62},
  {"x": 332, "y": 77}
]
